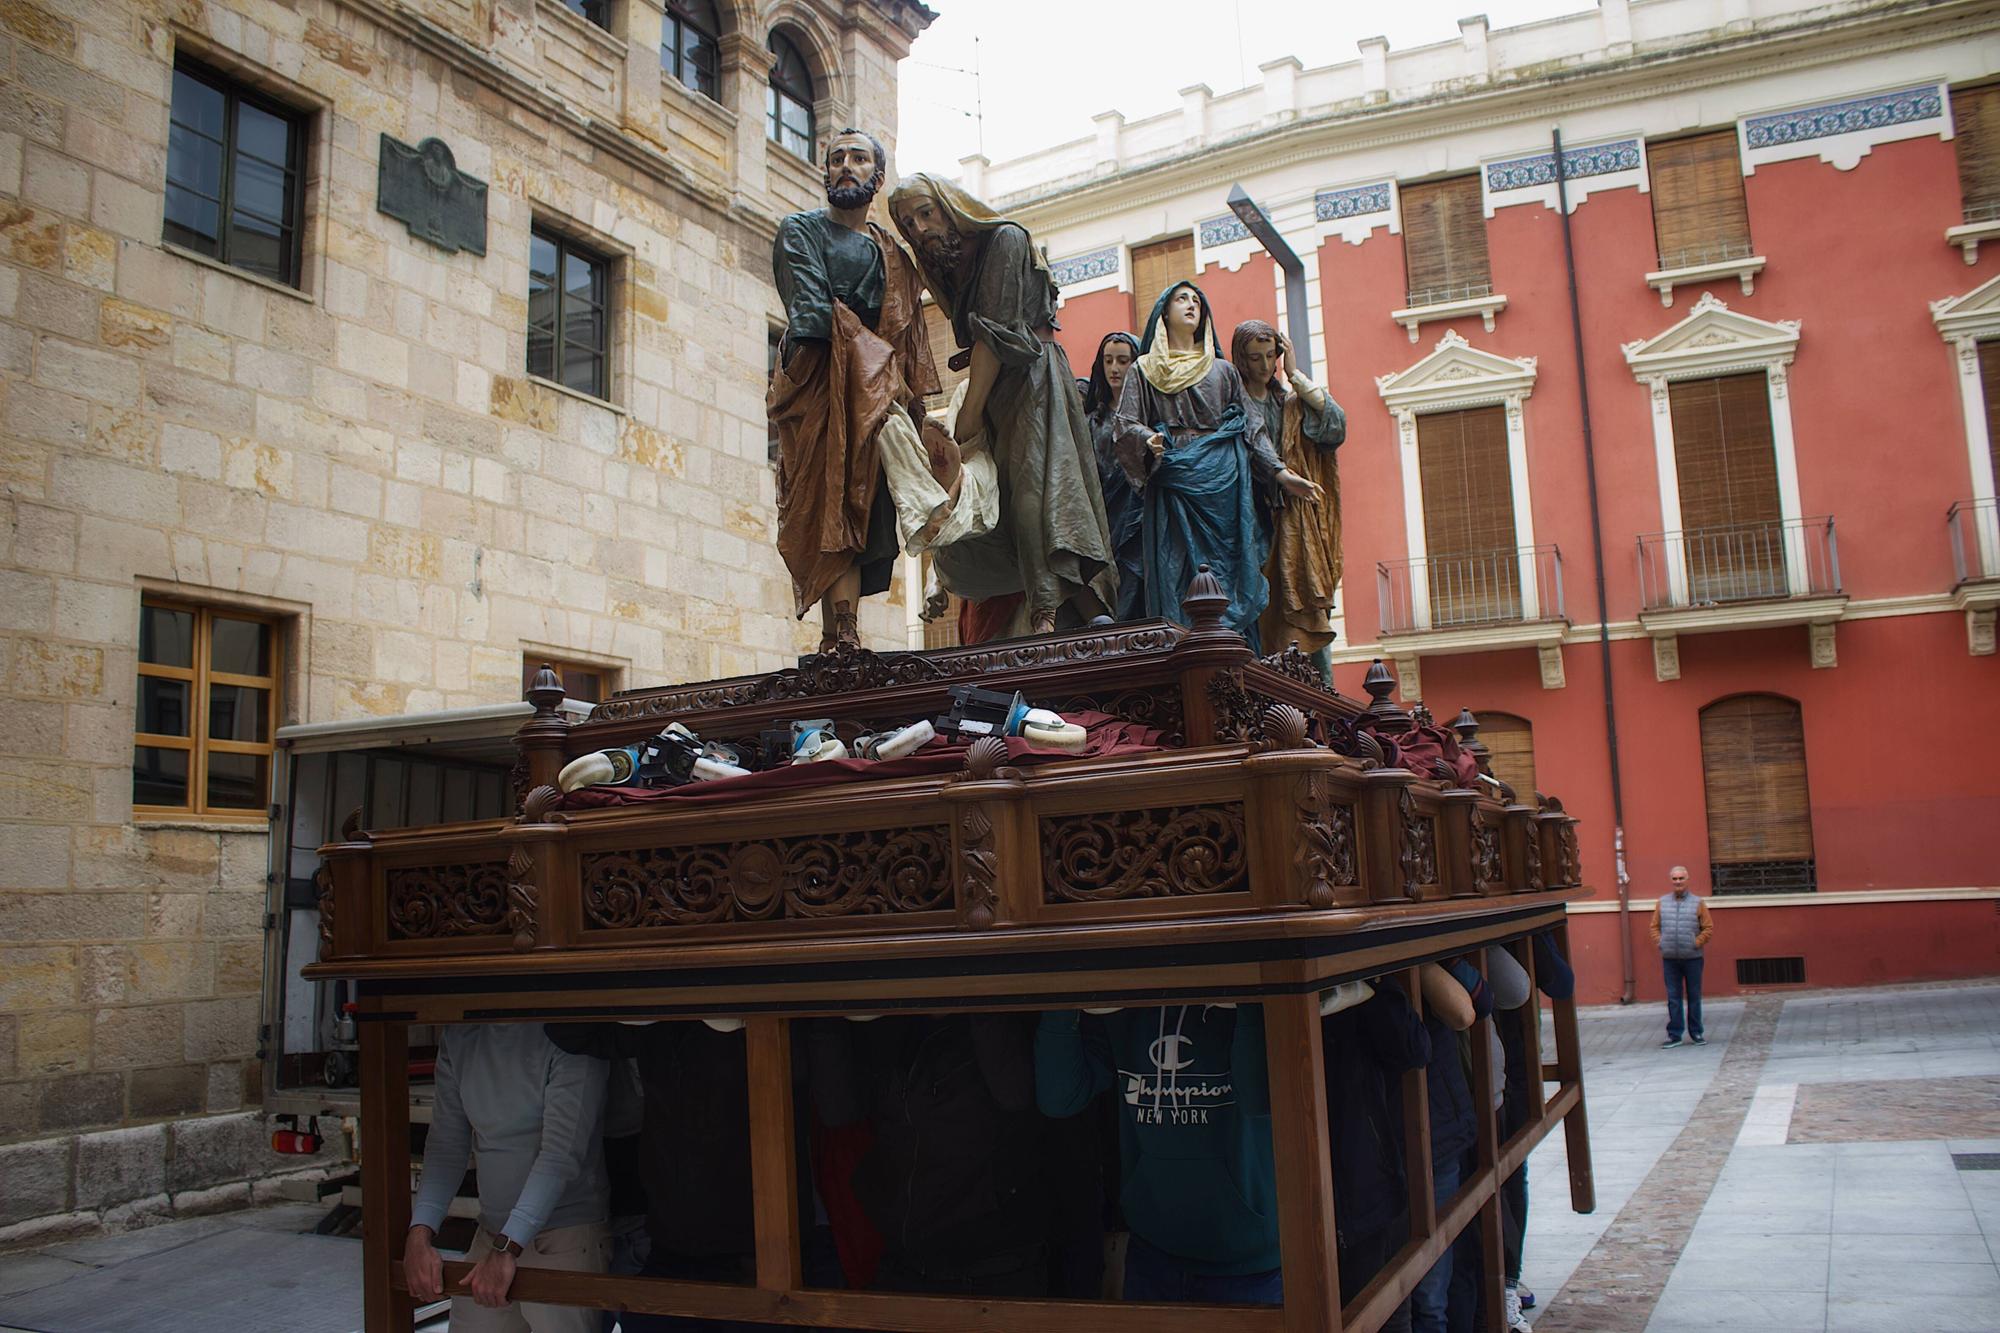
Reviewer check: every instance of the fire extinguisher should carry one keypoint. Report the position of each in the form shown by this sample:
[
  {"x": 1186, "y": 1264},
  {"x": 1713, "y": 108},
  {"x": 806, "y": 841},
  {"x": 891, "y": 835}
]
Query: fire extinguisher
[{"x": 292, "y": 1140}]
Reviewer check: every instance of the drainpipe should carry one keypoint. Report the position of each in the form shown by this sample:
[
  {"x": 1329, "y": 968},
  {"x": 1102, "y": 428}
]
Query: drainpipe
[{"x": 1603, "y": 609}]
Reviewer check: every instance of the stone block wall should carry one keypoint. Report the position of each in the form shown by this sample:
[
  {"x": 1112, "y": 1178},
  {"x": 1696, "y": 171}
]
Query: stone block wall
[{"x": 364, "y": 457}]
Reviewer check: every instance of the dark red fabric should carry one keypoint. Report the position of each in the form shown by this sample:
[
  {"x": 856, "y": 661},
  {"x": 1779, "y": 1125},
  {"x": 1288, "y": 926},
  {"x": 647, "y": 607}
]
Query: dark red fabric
[
  {"x": 981, "y": 622},
  {"x": 1107, "y": 736},
  {"x": 1421, "y": 749},
  {"x": 836, "y": 1153}
]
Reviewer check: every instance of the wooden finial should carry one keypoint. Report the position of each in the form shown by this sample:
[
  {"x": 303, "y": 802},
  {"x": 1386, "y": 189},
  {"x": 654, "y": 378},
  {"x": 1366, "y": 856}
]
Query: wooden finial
[
  {"x": 1467, "y": 727},
  {"x": 1206, "y": 603},
  {"x": 1380, "y": 682},
  {"x": 546, "y": 693}
]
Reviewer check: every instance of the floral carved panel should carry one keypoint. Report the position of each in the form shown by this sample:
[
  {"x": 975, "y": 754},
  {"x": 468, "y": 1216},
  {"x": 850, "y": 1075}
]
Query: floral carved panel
[
  {"x": 1168, "y": 852},
  {"x": 443, "y": 902},
  {"x": 1326, "y": 857},
  {"x": 1488, "y": 871},
  {"x": 864, "y": 873}
]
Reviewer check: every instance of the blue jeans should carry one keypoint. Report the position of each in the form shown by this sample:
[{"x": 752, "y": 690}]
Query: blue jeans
[
  {"x": 1430, "y": 1300},
  {"x": 1151, "y": 1274},
  {"x": 1683, "y": 972}
]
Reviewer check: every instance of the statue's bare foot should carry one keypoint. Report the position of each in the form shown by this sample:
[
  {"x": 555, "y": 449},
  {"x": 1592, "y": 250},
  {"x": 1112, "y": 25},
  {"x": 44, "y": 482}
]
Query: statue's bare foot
[{"x": 1042, "y": 622}]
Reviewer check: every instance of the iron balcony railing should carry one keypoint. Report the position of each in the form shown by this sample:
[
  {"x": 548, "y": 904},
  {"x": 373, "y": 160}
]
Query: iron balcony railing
[
  {"x": 1974, "y": 528},
  {"x": 1441, "y": 592},
  {"x": 1740, "y": 562},
  {"x": 1464, "y": 291}
]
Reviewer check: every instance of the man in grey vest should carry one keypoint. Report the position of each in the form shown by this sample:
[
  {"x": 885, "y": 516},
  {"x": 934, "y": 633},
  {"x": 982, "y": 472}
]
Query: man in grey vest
[{"x": 1681, "y": 928}]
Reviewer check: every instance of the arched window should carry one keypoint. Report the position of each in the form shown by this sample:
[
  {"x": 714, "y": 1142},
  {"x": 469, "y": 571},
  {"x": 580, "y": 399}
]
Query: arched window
[
  {"x": 1510, "y": 741},
  {"x": 688, "y": 45},
  {"x": 788, "y": 101},
  {"x": 1753, "y": 774}
]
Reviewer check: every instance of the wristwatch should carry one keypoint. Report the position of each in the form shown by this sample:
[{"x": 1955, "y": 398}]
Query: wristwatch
[{"x": 511, "y": 1248}]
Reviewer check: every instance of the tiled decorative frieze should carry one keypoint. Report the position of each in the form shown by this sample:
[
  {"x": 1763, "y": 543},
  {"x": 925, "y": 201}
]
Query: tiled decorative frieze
[
  {"x": 1353, "y": 212},
  {"x": 1221, "y": 231},
  {"x": 1620, "y": 164},
  {"x": 1099, "y": 268},
  {"x": 1843, "y": 132}
]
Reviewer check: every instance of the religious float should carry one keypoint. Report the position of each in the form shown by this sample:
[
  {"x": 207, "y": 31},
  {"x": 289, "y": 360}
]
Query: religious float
[{"x": 1232, "y": 833}]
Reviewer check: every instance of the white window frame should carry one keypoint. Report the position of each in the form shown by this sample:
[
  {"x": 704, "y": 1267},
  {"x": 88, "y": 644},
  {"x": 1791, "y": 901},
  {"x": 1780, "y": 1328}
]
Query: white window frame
[
  {"x": 1964, "y": 322},
  {"x": 1456, "y": 375},
  {"x": 1710, "y": 342}
]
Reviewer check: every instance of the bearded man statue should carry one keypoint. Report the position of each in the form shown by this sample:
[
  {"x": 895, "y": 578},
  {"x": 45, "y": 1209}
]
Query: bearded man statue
[
  {"x": 858, "y": 470},
  {"x": 987, "y": 276}
]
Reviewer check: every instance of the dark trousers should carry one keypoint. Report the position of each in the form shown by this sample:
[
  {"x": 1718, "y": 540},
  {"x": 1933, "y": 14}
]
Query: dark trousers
[
  {"x": 1363, "y": 1256},
  {"x": 1514, "y": 1219},
  {"x": 1683, "y": 972},
  {"x": 1151, "y": 1274}
]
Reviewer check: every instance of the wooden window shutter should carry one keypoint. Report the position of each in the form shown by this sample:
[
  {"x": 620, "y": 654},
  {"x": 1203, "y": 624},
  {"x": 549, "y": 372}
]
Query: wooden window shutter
[
  {"x": 1510, "y": 742},
  {"x": 1699, "y": 216},
  {"x": 944, "y": 346},
  {"x": 1444, "y": 241},
  {"x": 1468, "y": 516},
  {"x": 1753, "y": 773},
  {"x": 1156, "y": 267},
  {"x": 1728, "y": 472},
  {"x": 1975, "y": 114},
  {"x": 1989, "y": 375}
]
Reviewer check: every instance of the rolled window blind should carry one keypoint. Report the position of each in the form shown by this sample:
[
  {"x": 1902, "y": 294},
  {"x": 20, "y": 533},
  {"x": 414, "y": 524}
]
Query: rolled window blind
[
  {"x": 1444, "y": 241},
  {"x": 1468, "y": 516},
  {"x": 1753, "y": 772},
  {"x": 1511, "y": 743},
  {"x": 1975, "y": 114},
  {"x": 1156, "y": 267},
  {"x": 1989, "y": 374},
  {"x": 1699, "y": 216},
  {"x": 1728, "y": 474}
]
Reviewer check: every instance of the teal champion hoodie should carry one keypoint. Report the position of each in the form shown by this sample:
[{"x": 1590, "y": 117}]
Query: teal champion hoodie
[{"x": 1194, "y": 1123}]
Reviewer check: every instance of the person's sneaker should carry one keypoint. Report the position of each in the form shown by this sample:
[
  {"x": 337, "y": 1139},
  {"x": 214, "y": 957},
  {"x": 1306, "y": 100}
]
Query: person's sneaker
[
  {"x": 1701, "y": 1041},
  {"x": 1516, "y": 1321},
  {"x": 1527, "y": 1297},
  {"x": 1670, "y": 1043}
]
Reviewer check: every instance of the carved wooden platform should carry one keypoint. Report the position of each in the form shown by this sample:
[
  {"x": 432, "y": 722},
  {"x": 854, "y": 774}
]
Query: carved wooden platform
[{"x": 1263, "y": 853}]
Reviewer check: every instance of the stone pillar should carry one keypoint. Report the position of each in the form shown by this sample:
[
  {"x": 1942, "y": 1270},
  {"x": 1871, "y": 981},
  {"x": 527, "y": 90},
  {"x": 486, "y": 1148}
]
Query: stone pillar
[
  {"x": 1194, "y": 113},
  {"x": 1374, "y": 68},
  {"x": 972, "y": 174},
  {"x": 1615, "y": 17},
  {"x": 1110, "y": 139},
  {"x": 641, "y": 24},
  {"x": 1478, "y": 60},
  {"x": 745, "y": 66},
  {"x": 1281, "y": 88}
]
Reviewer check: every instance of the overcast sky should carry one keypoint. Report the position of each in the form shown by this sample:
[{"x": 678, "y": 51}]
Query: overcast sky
[{"x": 1048, "y": 66}]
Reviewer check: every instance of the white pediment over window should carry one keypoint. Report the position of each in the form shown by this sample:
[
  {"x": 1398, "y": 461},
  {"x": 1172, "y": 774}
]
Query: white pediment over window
[
  {"x": 1457, "y": 374},
  {"x": 1713, "y": 340},
  {"x": 1973, "y": 315}
]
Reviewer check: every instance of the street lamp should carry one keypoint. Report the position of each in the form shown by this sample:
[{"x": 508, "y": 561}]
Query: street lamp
[{"x": 1259, "y": 224}]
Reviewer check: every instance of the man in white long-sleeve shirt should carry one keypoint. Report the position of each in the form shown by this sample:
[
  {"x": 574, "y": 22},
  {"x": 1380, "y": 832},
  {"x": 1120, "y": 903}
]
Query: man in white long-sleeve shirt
[{"x": 534, "y": 1116}]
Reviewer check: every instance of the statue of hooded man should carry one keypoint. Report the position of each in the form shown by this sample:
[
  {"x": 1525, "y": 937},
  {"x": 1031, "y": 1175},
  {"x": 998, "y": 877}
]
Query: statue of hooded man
[
  {"x": 1203, "y": 462},
  {"x": 987, "y": 276},
  {"x": 859, "y": 469}
]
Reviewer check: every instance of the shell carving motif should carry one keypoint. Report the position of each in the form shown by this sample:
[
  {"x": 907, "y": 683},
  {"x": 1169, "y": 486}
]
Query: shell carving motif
[
  {"x": 979, "y": 869},
  {"x": 521, "y": 898}
]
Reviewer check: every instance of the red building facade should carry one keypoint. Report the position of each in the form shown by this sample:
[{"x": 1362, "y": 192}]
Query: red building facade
[{"x": 1790, "y": 354}]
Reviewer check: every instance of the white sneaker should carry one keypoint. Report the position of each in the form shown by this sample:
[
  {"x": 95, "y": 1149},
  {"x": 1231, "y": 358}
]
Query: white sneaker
[{"x": 1516, "y": 1321}]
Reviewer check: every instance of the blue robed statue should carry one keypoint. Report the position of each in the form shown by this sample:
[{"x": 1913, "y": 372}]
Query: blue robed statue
[{"x": 1205, "y": 466}]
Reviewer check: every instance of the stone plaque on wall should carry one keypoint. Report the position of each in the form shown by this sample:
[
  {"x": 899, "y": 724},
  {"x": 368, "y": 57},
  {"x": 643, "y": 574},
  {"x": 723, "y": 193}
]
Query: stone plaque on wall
[{"x": 423, "y": 189}]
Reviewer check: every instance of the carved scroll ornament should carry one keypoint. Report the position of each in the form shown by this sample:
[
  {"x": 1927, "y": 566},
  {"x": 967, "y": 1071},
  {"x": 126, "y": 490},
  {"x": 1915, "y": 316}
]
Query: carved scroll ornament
[
  {"x": 1326, "y": 857},
  {"x": 522, "y": 898},
  {"x": 447, "y": 901},
  {"x": 1487, "y": 867},
  {"x": 866, "y": 872},
  {"x": 1180, "y": 851}
]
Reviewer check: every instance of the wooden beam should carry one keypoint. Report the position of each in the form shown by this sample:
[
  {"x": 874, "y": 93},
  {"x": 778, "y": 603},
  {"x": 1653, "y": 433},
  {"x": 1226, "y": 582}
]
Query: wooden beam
[
  {"x": 1297, "y": 1063},
  {"x": 774, "y": 1161},
  {"x": 1569, "y": 1072},
  {"x": 385, "y": 1176}
]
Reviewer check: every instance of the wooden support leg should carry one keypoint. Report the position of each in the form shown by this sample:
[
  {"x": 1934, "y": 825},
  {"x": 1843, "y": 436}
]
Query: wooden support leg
[
  {"x": 774, "y": 1162},
  {"x": 1569, "y": 1071},
  {"x": 1305, "y": 1163},
  {"x": 1486, "y": 1080},
  {"x": 1417, "y": 1131},
  {"x": 385, "y": 1174}
]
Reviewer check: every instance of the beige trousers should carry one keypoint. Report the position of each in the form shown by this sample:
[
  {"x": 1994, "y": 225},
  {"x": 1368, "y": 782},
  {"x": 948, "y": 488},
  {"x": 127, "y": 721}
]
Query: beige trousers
[{"x": 580, "y": 1249}]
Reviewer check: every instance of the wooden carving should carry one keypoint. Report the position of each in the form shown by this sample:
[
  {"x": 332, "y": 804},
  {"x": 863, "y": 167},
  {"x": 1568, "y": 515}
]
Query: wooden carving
[
  {"x": 521, "y": 897},
  {"x": 1295, "y": 665},
  {"x": 1487, "y": 867},
  {"x": 447, "y": 901},
  {"x": 323, "y": 881},
  {"x": 1531, "y": 844},
  {"x": 866, "y": 872},
  {"x": 1234, "y": 707},
  {"x": 1570, "y": 869},
  {"x": 1325, "y": 857},
  {"x": 1420, "y": 864},
  {"x": 1284, "y": 728},
  {"x": 1179, "y": 851},
  {"x": 539, "y": 806},
  {"x": 985, "y": 759},
  {"x": 350, "y": 827},
  {"x": 978, "y": 868}
]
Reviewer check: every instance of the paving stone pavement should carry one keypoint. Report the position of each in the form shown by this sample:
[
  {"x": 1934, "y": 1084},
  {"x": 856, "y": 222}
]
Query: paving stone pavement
[{"x": 1821, "y": 1166}]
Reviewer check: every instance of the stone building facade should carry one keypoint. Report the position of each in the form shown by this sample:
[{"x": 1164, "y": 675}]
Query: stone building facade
[{"x": 352, "y": 458}]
